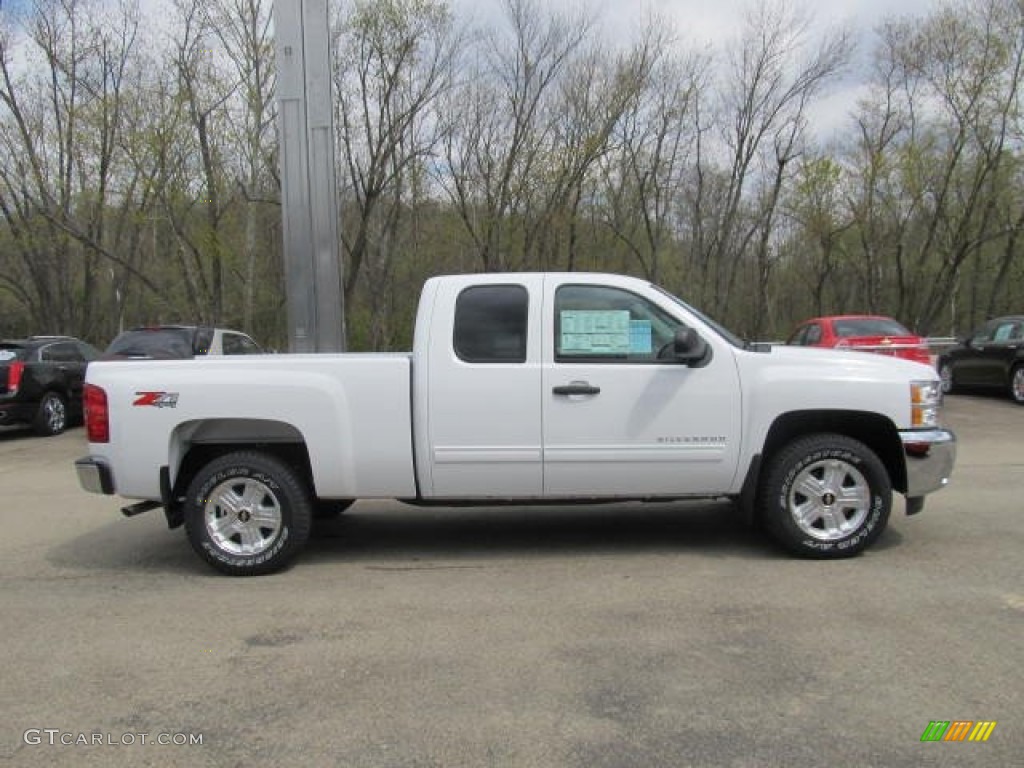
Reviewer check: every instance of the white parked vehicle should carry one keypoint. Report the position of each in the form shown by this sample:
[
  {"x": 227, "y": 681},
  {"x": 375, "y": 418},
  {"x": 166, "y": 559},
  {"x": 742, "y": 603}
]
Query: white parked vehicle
[{"x": 524, "y": 387}]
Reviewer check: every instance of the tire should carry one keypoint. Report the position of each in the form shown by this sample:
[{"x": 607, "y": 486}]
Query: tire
[
  {"x": 804, "y": 489},
  {"x": 330, "y": 509},
  {"x": 1017, "y": 384},
  {"x": 247, "y": 513},
  {"x": 946, "y": 377},
  {"x": 52, "y": 416}
]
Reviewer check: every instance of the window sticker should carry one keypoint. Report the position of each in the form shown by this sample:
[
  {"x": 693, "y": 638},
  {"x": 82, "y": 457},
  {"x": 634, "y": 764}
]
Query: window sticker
[
  {"x": 587, "y": 332},
  {"x": 641, "y": 338}
]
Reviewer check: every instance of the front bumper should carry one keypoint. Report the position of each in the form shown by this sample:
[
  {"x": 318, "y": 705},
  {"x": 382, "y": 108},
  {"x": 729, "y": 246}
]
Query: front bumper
[
  {"x": 94, "y": 475},
  {"x": 929, "y": 455}
]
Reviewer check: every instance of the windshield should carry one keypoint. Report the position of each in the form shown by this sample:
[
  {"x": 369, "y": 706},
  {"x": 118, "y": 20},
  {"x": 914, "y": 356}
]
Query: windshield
[
  {"x": 156, "y": 342},
  {"x": 724, "y": 332}
]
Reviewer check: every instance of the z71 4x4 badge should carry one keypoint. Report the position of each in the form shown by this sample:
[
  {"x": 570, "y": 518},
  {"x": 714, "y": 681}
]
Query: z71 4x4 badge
[{"x": 157, "y": 399}]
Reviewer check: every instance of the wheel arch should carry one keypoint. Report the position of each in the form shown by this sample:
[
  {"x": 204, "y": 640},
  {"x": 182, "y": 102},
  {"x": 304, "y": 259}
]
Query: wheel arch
[
  {"x": 874, "y": 430},
  {"x": 195, "y": 444}
]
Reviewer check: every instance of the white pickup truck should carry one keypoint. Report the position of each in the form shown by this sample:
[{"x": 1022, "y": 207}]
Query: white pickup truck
[{"x": 532, "y": 388}]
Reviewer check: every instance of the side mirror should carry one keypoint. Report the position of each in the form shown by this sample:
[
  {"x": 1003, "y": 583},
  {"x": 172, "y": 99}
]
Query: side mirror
[{"x": 689, "y": 348}]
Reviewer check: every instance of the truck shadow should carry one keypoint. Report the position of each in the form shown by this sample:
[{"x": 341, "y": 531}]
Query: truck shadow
[
  {"x": 369, "y": 533},
  {"x": 386, "y": 535}
]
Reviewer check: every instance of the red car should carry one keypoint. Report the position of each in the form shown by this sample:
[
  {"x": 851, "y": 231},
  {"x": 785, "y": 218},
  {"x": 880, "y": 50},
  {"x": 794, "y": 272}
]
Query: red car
[{"x": 870, "y": 333}]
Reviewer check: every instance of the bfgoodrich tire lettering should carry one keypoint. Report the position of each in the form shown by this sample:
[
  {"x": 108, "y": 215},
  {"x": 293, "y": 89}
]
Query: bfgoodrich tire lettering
[
  {"x": 826, "y": 496},
  {"x": 247, "y": 513}
]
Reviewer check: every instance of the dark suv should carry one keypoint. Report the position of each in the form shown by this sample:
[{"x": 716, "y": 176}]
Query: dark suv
[
  {"x": 179, "y": 342},
  {"x": 41, "y": 381}
]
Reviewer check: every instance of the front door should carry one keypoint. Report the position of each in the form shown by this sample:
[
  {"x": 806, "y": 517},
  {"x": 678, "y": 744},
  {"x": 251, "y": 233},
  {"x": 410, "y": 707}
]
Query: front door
[{"x": 621, "y": 418}]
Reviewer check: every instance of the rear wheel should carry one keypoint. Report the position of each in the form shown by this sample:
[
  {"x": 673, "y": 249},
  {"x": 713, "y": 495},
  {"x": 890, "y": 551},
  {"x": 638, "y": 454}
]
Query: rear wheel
[
  {"x": 1017, "y": 384},
  {"x": 52, "y": 416},
  {"x": 826, "y": 496},
  {"x": 247, "y": 513}
]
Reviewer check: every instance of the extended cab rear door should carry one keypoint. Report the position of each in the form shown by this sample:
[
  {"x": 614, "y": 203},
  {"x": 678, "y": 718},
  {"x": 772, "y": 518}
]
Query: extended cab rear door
[
  {"x": 620, "y": 420},
  {"x": 477, "y": 385}
]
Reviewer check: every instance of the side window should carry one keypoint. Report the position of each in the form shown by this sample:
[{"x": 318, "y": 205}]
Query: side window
[
  {"x": 983, "y": 334},
  {"x": 60, "y": 353},
  {"x": 598, "y": 323},
  {"x": 1004, "y": 332},
  {"x": 799, "y": 337},
  {"x": 87, "y": 351},
  {"x": 813, "y": 334},
  {"x": 491, "y": 324},
  {"x": 237, "y": 344}
]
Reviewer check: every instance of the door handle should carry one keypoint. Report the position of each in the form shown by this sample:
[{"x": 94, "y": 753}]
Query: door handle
[{"x": 576, "y": 388}]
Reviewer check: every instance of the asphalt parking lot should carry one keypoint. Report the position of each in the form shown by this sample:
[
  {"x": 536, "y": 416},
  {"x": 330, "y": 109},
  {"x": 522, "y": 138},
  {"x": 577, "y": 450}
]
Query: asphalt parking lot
[{"x": 608, "y": 637}]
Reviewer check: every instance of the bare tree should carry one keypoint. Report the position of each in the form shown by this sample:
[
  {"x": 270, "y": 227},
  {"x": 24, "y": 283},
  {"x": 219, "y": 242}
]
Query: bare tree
[
  {"x": 243, "y": 29},
  {"x": 501, "y": 126},
  {"x": 769, "y": 84},
  {"x": 644, "y": 179},
  {"x": 395, "y": 60},
  {"x": 66, "y": 192}
]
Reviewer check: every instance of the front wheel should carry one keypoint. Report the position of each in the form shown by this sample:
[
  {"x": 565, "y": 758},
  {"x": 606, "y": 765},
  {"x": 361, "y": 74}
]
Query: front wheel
[
  {"x": 1017, "y": 384},
  {"x": 826, "y": 496},
  {"x": 247, "y": 513}
]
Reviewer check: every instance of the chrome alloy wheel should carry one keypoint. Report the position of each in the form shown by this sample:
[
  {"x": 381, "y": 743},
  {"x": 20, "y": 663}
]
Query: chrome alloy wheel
[
  {"x": 946, "y": 377},
  {"x": 829, "y": 500},
  {"x": 243, "y": 516},
  {"x": 1017, "y": 384},
  {"x": 54, "y": 414}
]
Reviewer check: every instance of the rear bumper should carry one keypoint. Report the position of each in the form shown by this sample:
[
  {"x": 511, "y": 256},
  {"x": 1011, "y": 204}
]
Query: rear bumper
[
  {"x": 929, "y": 455},
  {"x": 94, "y": 475}
]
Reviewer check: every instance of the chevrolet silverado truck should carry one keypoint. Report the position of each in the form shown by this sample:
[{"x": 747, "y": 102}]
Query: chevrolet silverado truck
[{"x": 521, "y": 388}]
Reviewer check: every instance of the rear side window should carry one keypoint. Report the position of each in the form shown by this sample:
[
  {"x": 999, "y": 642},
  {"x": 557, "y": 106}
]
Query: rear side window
[
  {"x": 237, "y": 344},
  {"x": 63, "y": 352},
  {"x": 490, "y": 324},
  {"x": 10, "y": 352}
]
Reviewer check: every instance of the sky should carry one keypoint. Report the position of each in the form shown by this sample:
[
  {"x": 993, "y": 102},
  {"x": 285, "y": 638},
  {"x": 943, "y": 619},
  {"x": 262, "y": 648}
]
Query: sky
[
  {"x": 714, "y": 23},
  {"x": 711, "y": 23}
]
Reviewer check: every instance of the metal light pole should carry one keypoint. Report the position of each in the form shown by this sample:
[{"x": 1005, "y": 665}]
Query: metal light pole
[{"x": 316, "y": 317}]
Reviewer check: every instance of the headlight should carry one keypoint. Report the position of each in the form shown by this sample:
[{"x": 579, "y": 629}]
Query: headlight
[{"x": 925, "y": 400}]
